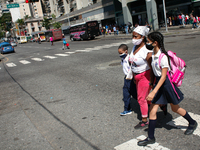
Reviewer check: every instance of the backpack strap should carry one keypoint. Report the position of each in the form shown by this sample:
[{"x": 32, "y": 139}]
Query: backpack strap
[
  {"x": 168, "y": 74},
  {"x": 159, "y": 59}
]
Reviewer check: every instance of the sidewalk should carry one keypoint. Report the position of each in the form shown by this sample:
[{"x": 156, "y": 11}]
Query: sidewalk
[{"x": 172, "y": 31}]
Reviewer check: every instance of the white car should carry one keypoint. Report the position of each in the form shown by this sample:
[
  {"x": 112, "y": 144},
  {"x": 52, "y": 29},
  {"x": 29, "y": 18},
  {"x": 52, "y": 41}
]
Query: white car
[{"x": 13, "y": 44}]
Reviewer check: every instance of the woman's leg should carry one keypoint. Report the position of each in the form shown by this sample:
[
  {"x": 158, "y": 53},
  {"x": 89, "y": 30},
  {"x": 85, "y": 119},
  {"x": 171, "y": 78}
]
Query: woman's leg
[
  {"x": 143, "y": 89},
  {"x": 192, "y": 123}
]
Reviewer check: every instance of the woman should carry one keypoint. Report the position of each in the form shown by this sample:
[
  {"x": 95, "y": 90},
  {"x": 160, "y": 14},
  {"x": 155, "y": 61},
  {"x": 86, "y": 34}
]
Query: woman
[
  {"x": 140, "y": 60},
  {"x": 163, "y": 91}
]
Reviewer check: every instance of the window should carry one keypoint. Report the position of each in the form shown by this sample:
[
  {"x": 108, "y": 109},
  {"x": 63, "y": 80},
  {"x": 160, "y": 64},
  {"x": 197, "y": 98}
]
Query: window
[{"x": 33, "y": 29}]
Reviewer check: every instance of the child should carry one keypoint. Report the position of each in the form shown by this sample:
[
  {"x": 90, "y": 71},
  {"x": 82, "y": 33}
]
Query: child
[
  {"x": 129, "y": 87},
  {"x": 64, "y": 43},
  {"x": 163, "y": 91}
]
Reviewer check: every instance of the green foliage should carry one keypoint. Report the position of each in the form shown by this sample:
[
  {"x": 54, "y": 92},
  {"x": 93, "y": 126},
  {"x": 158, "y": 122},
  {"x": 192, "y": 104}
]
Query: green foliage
[
  {"x": 57, "y": 25},
  {"x": 46, "y": 23},
  {"x": 27, "y": 17},
  {"x": 5, "y": 22}
]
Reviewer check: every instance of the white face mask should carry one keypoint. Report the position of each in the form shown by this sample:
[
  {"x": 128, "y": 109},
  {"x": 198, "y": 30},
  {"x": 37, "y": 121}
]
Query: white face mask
[{"x": 137, "y": 41}]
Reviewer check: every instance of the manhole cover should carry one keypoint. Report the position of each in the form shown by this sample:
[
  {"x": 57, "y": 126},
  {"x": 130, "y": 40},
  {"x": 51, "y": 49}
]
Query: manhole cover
[{"x": 115, "y": 64}]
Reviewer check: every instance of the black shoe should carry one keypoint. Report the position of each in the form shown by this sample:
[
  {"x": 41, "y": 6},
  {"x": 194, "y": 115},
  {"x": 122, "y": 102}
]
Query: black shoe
[
  {"x": 191, "y": 129},
  {"x": 146, "y": 141},
  {"x": 141, "y": 125}
]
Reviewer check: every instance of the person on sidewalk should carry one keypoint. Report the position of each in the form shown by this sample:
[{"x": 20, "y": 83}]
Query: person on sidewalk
[
  {"x": 183, "y": 19},
  {"x": 51, "y": 40},
  {"x": 115, "y": 30},
  {"x": 194, "y": 24},
  {"x": 140, "y": 58},
  {"x": 65, "y": 43},
  {"x": 129, "y": 87},
  {"x": 163, "y": 91}
]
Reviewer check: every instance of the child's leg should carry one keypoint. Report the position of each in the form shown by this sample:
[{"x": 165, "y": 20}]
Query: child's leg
[
  {"x": 126, "y": 94},
  {"x": 192, "y": 123},
  {"x": 152, "y": 125}
]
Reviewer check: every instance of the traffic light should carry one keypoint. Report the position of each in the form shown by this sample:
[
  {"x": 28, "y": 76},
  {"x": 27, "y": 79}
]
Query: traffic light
[{"x": 31, "y": 1}]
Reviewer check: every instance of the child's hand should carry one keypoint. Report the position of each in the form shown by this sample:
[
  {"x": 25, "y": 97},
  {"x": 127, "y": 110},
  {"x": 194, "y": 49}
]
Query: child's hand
[{"x": 150, "y": 96}]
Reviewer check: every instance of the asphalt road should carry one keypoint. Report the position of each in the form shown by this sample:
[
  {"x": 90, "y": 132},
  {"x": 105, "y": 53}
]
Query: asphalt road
[{"x": 71, "y": 99}]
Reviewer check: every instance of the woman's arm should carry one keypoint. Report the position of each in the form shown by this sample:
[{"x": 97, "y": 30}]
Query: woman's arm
[{"x": 160, "y": 83}]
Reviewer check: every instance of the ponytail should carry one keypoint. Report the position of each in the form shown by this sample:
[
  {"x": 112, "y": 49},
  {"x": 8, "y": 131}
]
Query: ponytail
[{"x": 157, "y": 36}]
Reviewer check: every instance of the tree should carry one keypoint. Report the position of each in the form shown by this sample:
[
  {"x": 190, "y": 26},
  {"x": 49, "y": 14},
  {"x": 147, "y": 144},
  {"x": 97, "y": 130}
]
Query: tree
[
  {"x": 57, "y": 25},
  {"x": 27, "y": 17},
  {"x": 46, "y": 23},
  {"x": 6, "y": 21},
  {"x": 21, "y": 24}
]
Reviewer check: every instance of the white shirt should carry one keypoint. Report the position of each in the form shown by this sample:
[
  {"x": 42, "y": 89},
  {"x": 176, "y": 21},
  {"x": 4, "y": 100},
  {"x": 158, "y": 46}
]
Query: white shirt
[
  {"x": 138, "y": 61},
  {"x": 163, "y": 64},
  {"x": 125, "y": 64}
]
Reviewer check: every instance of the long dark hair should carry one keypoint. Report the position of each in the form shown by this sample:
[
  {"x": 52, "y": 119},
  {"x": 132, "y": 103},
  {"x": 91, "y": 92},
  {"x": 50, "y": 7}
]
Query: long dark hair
[{"x": 158, "y": 37}]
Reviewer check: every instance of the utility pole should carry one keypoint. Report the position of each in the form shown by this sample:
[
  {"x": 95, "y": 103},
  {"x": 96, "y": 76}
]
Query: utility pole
[{"x": 164, "y": 9}]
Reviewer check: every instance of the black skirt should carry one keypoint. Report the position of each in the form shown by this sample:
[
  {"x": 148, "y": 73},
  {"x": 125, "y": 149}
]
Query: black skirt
[{"x": 166, "y": 93}]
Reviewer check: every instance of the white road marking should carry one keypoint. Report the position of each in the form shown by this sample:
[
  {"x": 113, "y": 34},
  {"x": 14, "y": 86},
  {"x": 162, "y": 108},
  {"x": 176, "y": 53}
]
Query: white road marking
[
  {"x": 37, "y": 59},
  {"x": 69, "y": 52},
  {"x": 24, "y": 62},
  {"x": 62, "y": 54},
  {"x": 182, "y": 123},
  {"x": 11, "y": 65},
  {"x": 50, "y": 57},
  {"x": 132, "y": 145},
  {"x": 97, "y": 48},
  {"x": 83, "y": 50}
]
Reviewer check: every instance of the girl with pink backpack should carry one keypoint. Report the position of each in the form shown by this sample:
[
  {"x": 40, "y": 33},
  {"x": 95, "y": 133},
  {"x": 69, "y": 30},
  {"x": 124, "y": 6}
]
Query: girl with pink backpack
[{"x": 163, "y": 91}]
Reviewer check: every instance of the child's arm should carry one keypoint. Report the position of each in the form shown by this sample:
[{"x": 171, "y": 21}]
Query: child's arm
[
  {"x": 160, "y": 83},
  {"x": 152, "y": 76}
]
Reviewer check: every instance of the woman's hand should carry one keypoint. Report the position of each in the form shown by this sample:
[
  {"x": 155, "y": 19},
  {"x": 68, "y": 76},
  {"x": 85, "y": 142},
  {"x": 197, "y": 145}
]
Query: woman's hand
[{"x": 150, "y": 96}]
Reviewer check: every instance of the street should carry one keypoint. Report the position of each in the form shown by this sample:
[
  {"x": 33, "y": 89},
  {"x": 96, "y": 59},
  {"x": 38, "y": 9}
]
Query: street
[{"x": 71, "y": 99}]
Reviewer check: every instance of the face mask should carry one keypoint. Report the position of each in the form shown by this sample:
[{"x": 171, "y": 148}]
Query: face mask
[
  {"x": 123, "y": 55},
  {"x": 149, "y": 46},
  {"x": 137, "y": 41}
]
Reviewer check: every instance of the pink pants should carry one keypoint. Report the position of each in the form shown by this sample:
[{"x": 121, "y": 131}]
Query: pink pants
[{"x": 143, "y": 89}]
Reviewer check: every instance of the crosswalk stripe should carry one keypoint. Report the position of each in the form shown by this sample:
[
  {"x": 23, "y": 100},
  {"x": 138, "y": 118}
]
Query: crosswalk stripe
[
  {"x": 182, "y": 123},
  {"x": 69, "y": 52},
  {"x": 50, "y": 57},
  {"x": 62, "y": 54},
  {"x": 132, "y": 145},
  {"x": 83, "y": 50},
  {"x": 24, "y": 62},
  {"x": 11, "y": 65},
  {"x": 37, "y": 59}
]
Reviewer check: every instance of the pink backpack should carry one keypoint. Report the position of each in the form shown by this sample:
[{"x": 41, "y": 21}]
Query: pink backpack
[{"x": 176, "y": 74}]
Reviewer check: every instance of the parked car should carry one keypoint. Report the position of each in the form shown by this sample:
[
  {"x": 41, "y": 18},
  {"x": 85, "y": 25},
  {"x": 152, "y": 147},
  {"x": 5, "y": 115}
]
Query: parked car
[
  {"x": 6, "y": 47},
  {"x": 13, "y": 44}
]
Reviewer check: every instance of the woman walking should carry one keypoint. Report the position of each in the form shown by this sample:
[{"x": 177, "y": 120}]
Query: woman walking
[
  {"x": 163, "y": 91},
  {"x": 140, "y": 60}
]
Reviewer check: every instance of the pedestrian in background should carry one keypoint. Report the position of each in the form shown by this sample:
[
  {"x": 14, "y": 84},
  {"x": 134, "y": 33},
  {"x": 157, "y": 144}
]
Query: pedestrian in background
[
  {"x": 65, "y": 44},
  {"x": 129, "y": 87},
  {"x": 140, "y": 58},
  {"x": 51, "y": 40},
  {"x": 163, "y": 92},
  {"x": 183, "y": 19}
]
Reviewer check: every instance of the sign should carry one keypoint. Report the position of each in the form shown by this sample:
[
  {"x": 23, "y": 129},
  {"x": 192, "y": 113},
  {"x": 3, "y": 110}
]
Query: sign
[{"x": 12, "y": 5}]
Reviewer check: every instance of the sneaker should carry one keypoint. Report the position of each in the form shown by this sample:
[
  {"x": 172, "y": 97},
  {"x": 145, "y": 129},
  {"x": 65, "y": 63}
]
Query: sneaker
[
  {"x": 141, "y": 125},
  {"x": 124, "y": 113}
]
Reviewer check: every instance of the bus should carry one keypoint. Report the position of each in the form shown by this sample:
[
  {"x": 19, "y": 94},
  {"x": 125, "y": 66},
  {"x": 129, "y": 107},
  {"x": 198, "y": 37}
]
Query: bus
[
  {"x": 21, "y": 39},
  {"x": 86, "y": 30},
  {"x": 55, "y": 33},
  {"x": 40, "y": 34}
]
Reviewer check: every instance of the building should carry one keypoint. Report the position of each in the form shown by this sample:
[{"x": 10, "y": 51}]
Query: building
[
  {"x": 151, "y": 11},
  {"x": 87, "y": 10}
]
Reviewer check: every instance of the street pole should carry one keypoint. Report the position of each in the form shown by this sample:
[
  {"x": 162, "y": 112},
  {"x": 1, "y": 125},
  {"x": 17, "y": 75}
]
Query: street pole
[{"x": 165, "y": 15}]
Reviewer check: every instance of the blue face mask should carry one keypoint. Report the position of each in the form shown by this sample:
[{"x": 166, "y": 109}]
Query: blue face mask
[{"x": 123, "y": 55}]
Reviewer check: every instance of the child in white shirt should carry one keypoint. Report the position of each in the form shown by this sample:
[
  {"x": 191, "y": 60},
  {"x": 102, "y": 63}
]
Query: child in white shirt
[{"x": 129, "y": 87}]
